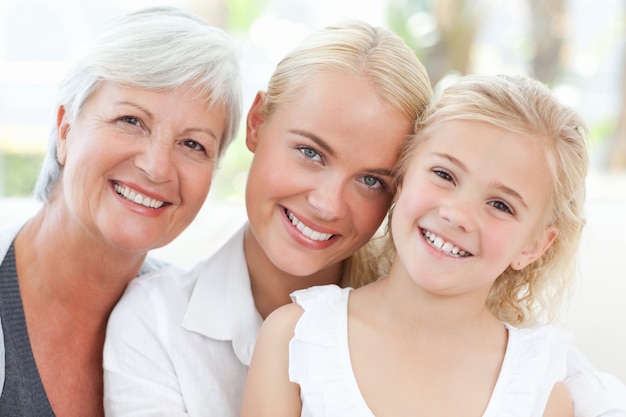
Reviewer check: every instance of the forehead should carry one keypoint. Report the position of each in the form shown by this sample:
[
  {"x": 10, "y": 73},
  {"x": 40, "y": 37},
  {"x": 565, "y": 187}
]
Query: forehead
[
  {"x": 346, "y": 111},
  {"x": 492, "y": 154}
]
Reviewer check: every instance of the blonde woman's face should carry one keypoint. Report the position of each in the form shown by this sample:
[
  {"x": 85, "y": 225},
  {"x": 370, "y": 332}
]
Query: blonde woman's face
[{"x": 318, "y": 186}]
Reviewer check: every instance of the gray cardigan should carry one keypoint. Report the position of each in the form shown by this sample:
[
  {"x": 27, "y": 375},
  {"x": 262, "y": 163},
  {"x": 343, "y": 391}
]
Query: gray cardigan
[
  {"x": 6, "y": 238},
  {"x": 7, "y": 235}
]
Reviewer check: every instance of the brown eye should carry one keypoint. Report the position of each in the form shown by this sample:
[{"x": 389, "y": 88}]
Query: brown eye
[
  {"x": 501, "y": 206},
  {"x": 192, "y": 144},
  {"x": 131, "y": 120},
  {"x": 443, "y": 175}
]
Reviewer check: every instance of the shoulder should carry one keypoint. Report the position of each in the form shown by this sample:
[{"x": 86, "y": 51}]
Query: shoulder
[
  {"x": 150, "y": 301},
  {"x": 542, "y": 348},
  {"x": 7, "y": 235},
  {"x": 547, "y": 336},
  {"x": 593, "y": 391},
  {"x": 282, "y": 321},
  {"x": 168, "y": 281},
  {"x": 324, "y": 294}
]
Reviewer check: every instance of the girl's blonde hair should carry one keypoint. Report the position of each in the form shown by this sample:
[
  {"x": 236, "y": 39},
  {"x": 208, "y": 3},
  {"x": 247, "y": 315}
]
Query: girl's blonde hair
[
  {"x": 354, "y": 47},
  {"x": 526, "y": 106}
]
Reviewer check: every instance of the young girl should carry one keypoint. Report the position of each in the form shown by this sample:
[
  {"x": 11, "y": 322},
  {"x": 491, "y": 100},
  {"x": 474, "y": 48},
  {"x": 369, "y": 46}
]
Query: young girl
[{"x": 485, "y": 223}]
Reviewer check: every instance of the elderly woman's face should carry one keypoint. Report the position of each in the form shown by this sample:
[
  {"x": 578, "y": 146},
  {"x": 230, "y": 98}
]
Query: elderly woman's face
[{"x": 138, "y": 164}]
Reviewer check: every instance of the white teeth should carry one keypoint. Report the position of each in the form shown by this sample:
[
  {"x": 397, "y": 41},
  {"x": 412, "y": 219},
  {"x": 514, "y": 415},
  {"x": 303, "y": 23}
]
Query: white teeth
[
  {"x": 136, "y": 197},
  {"x": 307, "y": 231},
  {"x": 443, "y": 246}
]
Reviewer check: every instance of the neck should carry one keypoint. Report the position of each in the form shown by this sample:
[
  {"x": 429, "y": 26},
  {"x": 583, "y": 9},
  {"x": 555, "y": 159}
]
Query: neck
[
  {"x": 405, "y": 301},
  {"x": 271, "y": 286},
  {"x": 61, "y": 268}
]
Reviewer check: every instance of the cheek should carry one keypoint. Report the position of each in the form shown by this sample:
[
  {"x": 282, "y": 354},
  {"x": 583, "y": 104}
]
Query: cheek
[
  {"x": 275, "y": 175},
  {"x": 368, "y": 216},
  {"x": 411, "y": 203},
  {"x": 504, "y": 243},
  {"x": 195, "y": 185}
]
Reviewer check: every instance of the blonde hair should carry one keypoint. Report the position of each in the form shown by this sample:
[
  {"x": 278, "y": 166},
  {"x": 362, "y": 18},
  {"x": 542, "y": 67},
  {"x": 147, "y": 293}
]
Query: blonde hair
[
  {"x": 526, "y": 106},
  {"x": 355, "y": 47}
]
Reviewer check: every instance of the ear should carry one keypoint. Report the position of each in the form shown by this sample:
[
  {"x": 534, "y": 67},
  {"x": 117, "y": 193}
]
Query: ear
[
  {"x": 63, "y": 128},
  {"x": 254, "y": 121},
  {"x": 535, "y": 249}
]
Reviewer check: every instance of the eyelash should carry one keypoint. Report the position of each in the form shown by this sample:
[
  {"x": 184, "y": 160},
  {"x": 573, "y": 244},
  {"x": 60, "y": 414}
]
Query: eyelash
[
  {"x": 194, "y": 145},
  {"x": 131, "y": 120},
  {"x": 383, "y": 185},
  {"x": 444, "y": 175},
  {"x": 306, "y": 149},
  {"x": 502, "y": 206}
]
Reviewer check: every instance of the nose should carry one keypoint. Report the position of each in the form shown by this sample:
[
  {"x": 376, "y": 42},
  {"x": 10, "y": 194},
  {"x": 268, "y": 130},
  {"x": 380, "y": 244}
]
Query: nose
[
  {"x": 458, "y": 212},
  {"x": 156, "y": 161},
  {"x": 328, "y": 199}
]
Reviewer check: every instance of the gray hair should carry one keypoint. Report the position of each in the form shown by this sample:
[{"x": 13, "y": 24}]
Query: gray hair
[{"x": 157, "y": 49}]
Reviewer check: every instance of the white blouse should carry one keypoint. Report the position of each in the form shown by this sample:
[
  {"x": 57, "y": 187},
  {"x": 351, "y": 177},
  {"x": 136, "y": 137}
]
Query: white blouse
[
  {"x": 180, "y": 344},
  {"x": 535, "y": 359}
]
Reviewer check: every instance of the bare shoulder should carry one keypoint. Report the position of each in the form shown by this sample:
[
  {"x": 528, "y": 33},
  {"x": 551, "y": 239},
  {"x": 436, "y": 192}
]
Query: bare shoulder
[
  {"x": 270, "y": 363},
  {"x": 283, "y": 319},
  {"x": 560, "y": 403},
  {"x": 278, "y": 328}
]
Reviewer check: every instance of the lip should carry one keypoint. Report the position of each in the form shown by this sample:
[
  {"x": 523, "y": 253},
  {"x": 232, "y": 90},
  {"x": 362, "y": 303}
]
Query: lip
[
  {"x": 300, "y": 238},
  {"x": 138, "y": 208}
]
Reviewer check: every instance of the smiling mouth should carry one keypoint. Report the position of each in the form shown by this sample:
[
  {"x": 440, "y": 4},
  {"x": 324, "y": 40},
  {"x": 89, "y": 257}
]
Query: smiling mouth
[
  {"x": 443, "y": 246},
  {"x": 306, "y": 230},
  {"x": 136, "y": 197}
]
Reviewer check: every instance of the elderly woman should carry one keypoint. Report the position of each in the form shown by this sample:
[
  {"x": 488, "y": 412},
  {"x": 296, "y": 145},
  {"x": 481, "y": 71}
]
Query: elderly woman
[{"x": 142, "y": 120}]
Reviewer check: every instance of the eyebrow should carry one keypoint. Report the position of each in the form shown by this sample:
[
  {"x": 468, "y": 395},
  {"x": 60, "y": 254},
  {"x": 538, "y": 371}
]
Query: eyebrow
[
  {"x": 208, "y": 131},
  {"x": 135, "y": 105},
  {"x": 325, "y": 146},
  {"x": 498, "y": 185}
]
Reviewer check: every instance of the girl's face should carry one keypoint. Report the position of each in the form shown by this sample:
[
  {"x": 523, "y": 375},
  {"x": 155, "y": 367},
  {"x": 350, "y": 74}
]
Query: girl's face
[
  {"x": 474, "y": 201},
  {"x": 318, "y": 185},
  {"x": 137, "y": 164}
]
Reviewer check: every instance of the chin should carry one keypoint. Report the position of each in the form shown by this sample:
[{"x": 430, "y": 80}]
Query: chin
[{"x": 134, "y": 245}]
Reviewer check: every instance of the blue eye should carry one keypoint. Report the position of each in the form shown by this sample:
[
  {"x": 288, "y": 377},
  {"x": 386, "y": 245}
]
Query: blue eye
[
  {"x": 374, "y": 182},
  {"x": 370, "y": 181},
  {"x": 310, "y": 153}
]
